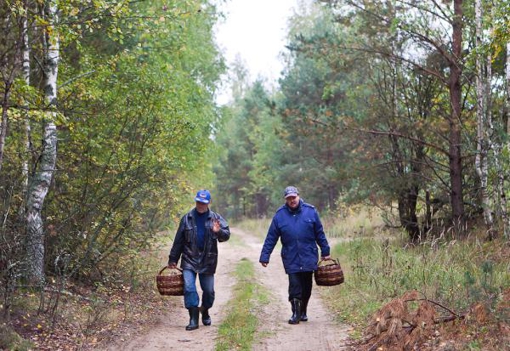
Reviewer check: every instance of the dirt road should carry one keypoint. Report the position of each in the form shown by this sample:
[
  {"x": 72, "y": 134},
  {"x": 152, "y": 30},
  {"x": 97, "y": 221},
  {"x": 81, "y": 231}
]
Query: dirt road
[{"x": 319, "y": 333}]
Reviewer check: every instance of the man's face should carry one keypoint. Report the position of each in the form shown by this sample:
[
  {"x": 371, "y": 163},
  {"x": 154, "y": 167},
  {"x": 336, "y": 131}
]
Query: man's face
[
  {"x": 292, "y": 201},
  {"x": 201, "y": 207}
]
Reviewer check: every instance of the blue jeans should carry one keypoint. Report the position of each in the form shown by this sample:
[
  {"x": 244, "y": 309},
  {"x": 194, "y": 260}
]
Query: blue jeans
[{"x": 191, "y": 298}]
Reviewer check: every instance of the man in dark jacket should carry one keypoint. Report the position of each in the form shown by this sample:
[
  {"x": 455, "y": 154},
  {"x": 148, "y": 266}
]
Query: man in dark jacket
[
  {"x": 196, "y": 243},
  {"x": 298, "y": 226}
]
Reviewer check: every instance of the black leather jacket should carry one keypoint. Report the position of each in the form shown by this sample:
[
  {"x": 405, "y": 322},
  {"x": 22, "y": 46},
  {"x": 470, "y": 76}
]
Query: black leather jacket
[{"x": 185, "y": 244}]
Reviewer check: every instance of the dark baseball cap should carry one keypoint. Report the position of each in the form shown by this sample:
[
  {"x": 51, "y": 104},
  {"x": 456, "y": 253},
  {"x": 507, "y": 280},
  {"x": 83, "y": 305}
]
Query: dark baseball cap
[
  {"x": 290, "y": 191},
  {"x": 203, "y": 196}
]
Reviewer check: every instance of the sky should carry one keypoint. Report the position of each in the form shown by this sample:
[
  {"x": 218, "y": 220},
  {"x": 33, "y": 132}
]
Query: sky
[{"x": 256, "y": 30}]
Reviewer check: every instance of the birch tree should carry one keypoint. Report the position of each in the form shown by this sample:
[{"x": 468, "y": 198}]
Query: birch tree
[
  {"x": 482, "y": 79},
  {"x": 491, "y": 124},
  {"x": 40, "y": 179},
  {"x": 26, "y": 77},
  {"x": 506, "y": 220}
]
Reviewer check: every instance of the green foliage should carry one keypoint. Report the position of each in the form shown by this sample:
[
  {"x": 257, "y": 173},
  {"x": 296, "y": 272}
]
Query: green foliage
[
  {"x": 136, "y": 116},
  {"x": 138, "y": 130},
  {"x": 248, "y": 165},
  {"x": 311, "y": 105},
  {"x": 362, "y": 116},
  {"x": 291, "y": 137}
]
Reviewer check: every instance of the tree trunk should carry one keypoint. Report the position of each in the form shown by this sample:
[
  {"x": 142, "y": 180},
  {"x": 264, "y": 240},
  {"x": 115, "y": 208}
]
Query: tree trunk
[
  {"x": 455, "y": 154},
  {"x": 26, "y": 76},
  {"x": 7, "y": 81},
  {"x": 3, "y": 126},
  {"x": 508, "y": 91},
  {"x": 482, "y": 113},
  {"x": 40, "y": 180},
  {"x": 428, "y": 213},
  {"x": 407, "y": 202},
  {"x": 503, "y": 201}
]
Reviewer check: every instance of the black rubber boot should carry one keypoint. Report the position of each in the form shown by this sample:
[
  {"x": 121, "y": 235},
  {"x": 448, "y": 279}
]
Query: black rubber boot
[
  {"x": 304, "y": 305},
  {"x": 296, "y": 311},
  {"x": 193, "y": 318},
  {"x": 206, "y": 318}
]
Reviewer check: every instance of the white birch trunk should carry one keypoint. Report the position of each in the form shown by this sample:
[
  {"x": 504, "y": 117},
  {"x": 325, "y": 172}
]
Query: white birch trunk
[
  {"x": 501, "y": 176},
  {"x": 498, "y": 147},
  {"x": 40, "y": 181},
  {"x": 26, "y": 77},
  {"x": 481, "y": 161}
]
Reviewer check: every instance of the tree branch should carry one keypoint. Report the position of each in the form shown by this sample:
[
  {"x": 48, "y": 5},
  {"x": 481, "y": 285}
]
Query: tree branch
[{"x": 403, "y": 136}]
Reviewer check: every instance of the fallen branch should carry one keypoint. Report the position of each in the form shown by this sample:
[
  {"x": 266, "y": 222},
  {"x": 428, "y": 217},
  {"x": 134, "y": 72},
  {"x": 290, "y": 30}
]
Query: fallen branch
[{"x": 435, "y": 303}]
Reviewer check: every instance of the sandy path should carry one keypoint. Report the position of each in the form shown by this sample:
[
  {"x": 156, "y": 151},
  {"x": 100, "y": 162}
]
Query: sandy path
[{"x": 319, "y": 333}]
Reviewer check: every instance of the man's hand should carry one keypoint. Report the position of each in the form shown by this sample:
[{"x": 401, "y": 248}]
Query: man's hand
[
  {"x": 324, "y": 258},
  {"x": 264, "y": 264},
  {"x": 216, "y": 225},
  {"x": 172, "y": 265}
]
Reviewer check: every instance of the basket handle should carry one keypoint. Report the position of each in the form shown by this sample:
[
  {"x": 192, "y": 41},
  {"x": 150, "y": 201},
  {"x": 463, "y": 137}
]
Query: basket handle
[
  {"x": 166, "y": 267},
  {"x": 335, "y": 261}
]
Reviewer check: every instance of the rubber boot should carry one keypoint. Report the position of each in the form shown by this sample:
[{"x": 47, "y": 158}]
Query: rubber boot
[
  {"x": 304, "y": 305},
  {"x": 296, "y": 311},
  {"x": 193, "y": 318},
  {"x": 206, "y": 318}
]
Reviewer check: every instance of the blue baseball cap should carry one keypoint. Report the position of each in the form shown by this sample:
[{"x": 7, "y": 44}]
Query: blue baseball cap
[
  {"x": 290, "y": 191},
  {"x": 203, "y": 196}
]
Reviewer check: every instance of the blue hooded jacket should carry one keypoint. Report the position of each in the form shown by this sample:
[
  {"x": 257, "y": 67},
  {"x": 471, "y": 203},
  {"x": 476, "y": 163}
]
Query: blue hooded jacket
[{"x": 300, "y": 232}]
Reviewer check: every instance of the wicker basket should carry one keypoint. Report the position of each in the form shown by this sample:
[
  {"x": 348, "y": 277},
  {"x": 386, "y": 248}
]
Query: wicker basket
[
  {"x": 171, "y": 284},
  {"x": 329, "y": 273}
]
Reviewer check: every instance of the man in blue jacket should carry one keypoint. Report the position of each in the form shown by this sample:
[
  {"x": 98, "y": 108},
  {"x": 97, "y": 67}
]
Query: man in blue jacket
[
  {"x": 298, "y": 226},
  {"x": 196, "y": 244}
]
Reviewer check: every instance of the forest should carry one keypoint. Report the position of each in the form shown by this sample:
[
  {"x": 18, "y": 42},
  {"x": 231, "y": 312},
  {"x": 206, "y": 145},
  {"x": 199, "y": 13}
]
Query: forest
[
  {"x": 395, "y": 105},
  {"x": 110, "y": 124}
]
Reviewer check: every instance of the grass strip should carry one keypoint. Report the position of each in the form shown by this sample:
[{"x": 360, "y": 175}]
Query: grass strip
[{"x": 237, "y": 331}]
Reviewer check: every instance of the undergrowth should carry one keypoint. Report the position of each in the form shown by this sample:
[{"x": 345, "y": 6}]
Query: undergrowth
[
  {"x": 86, "y": 315},
  {"x": 456, "y": 274}
]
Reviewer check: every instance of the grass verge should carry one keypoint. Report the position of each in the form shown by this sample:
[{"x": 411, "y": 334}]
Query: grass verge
[
  {"x": 462, "y": 276},
  {"x": 238, "y": 329}
]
